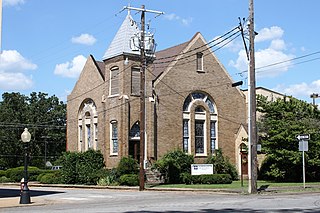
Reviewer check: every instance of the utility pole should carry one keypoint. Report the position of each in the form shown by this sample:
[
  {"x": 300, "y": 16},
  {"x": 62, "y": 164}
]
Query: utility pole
[
  {"x": 314, "y": 96},
  {"x": 142, "y": 100},
  {"x": 142, "y": 90},
  {"x": 252, "y": 107}
]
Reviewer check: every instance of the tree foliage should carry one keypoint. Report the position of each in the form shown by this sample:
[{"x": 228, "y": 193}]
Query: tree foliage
[
  {"x": 45, "y": 118},
  {"x": 282, "y": 120}
]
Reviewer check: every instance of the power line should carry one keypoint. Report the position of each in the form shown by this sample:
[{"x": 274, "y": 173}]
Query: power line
[
  {"x": 162, "y": 62},
  {"x": 282, "y": 62},
  {"x": 216, "y": 39}
]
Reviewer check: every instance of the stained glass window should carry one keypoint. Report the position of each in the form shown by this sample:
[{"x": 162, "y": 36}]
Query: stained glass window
[
  {"x": 212, "y": 136},
  {"x": 185, "y": 135},
  {"x": 114, "y": 137},
  {"x": 199, "y": 136}
]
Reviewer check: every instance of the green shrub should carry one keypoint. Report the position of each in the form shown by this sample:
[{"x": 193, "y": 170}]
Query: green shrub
[
  {"x": 16, "y": 174},
  {"x": 81, "y": 168},
  {"x": 222, "y": 165},
  {"x": 50, "y": 178},
  {"x": 172, "y": 164},
  {"x": 186, "y": 178},
  {"x": 129, "y": 180},
  {"x": 3, "y": 173},
  {"x": 108, "y": 177},
  {"x": 206, "y": 179},
  {"x": 4, "y": 179},
  {"x": 69, "y": 162},
  {"x": 127, "y": 165},
  {"x": 89, "y": 165}
]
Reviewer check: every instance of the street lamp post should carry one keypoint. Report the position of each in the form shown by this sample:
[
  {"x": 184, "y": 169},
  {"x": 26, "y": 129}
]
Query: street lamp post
[{"x": 25, "y": 193}]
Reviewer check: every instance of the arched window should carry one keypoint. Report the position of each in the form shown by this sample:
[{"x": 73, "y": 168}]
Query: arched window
[
  {"x": 87, "y": 126},
  {"x": 199, "y": 111},
  {"x": 114, "y": 81},
  {"x": 113, "y": 137}
]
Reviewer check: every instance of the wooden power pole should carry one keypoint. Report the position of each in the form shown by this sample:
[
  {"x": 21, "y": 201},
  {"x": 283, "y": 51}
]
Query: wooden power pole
[
  {"x": 142, "y": 90},
  {"x": 252, "y": 107}
]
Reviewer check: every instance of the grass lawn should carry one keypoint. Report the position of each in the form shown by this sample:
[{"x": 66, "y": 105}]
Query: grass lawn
[{"x": 237, "y": 185}]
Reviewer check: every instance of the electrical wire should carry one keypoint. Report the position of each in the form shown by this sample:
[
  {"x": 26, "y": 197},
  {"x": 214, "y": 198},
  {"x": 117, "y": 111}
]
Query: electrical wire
[{"x": 281, "y": 62}]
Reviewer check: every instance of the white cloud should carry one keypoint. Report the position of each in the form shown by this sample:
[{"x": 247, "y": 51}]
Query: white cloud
[
  {"x": 241, "y": 62},
  {"x": 278, "y": 44},
  {"x": 13, "y": 2},
  {"x": 85, "y": 39},
  {"x": 13, "y": 61},
  {"x": 300, "y": 90},
  {"x": 274, "y": 55},
  {"x": 232, "y": 45},
  {"x": 270, "y": 56},
  {"x": 71, "y": 69},
  {"x": 174, "y": 17},
  {"x": 15, "y": 81},
  {"x": 12, "y": 66},
  {"x": 271, "y": 33}
]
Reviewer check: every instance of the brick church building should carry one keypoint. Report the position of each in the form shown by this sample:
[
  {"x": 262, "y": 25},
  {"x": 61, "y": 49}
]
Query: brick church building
[{"x": 190, "y": 103}]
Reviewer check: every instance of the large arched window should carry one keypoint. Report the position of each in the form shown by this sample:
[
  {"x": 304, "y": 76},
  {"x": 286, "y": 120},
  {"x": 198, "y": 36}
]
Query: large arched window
[
  {"x": 199, "y": 124},
  {"x": 87, "y": 126}
]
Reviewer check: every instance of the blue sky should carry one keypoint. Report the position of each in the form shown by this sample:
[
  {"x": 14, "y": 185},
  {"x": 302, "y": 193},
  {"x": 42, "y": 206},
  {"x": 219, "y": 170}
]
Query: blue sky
[{"x": 45, "y": 43}]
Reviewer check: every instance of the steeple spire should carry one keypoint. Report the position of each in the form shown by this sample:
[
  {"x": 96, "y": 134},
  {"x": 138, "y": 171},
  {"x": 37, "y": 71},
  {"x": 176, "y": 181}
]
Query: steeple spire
[{"x": 121, "y": 42}]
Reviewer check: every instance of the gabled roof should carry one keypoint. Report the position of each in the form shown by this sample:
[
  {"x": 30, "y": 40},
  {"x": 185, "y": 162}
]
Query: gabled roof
[
  {"x": 166, "y": 56},
  {"x": 121, "y": 42}
]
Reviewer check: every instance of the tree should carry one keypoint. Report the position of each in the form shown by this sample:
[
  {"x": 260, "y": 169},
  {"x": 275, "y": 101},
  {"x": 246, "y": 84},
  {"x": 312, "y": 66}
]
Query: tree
[
  {"x": 281, "y": 121},
  {"x": 44, "y": 116}
]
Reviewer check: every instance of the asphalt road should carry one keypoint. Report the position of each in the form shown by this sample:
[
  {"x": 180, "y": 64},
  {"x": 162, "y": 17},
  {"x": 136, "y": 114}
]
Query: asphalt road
[{"x": 74, "y": 200}]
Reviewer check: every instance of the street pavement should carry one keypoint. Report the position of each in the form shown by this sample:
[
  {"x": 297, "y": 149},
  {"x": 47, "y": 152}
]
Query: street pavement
[{"x": 66, "y": 198}]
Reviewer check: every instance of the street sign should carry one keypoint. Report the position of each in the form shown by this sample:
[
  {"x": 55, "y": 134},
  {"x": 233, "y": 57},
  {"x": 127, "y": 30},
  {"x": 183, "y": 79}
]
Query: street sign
[
  {"x": 303, "y": 146},
  {"x": 303, "y": 137}
]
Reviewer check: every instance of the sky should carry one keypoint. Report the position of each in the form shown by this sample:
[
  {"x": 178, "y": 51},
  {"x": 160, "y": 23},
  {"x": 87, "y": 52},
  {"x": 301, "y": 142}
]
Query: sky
[{"x": 46, "y": 43}]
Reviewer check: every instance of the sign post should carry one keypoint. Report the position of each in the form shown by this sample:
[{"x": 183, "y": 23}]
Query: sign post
[{"x": 303, "y": 146}]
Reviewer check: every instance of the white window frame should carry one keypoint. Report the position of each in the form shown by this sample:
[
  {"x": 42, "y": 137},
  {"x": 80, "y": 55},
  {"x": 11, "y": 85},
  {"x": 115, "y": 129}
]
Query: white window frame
[
  {"x": 199, "y": 62},
  {"x": 87, "y": 118},
  {"x": 204, "y": 116},
  {"x": 112, "y": 123}
]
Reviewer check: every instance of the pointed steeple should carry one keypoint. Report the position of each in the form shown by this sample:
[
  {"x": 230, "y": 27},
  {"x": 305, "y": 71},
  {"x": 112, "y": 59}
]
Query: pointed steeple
[{"x": 121, "y": 42}]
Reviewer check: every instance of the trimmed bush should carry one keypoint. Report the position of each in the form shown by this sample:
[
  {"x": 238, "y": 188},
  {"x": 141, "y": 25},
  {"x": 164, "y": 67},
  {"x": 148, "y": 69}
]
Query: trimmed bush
[
  {"x": 172, "y": 164},
  {"x": 108, "y": 177},
  {"x": 89, "y": 165},
  {"x": 4, "y": 179},
  {"x": 2, "y": 173},
  {"x": 129, "y": 180},
  {"x": 81, "y": 168},
  {"x": 69, "y": 162},
  {"x": 206, "y": 179},
  {"x": 16, "y": 174},
  {"x": 50, "y": 177},
  {"x": 127, "y": 165},
  {"x": 222, "y": 165}
]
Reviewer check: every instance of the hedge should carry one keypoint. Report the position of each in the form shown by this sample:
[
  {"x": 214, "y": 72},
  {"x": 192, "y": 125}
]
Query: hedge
[
  {"x": 16, "y": 174},
  {"x": 187, "y": 178}
]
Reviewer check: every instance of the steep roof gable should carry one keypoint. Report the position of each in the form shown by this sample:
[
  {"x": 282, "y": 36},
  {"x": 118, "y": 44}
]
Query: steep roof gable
[
  {"x": 121, "y": 42},
  {"x": 165, "y": 57}
]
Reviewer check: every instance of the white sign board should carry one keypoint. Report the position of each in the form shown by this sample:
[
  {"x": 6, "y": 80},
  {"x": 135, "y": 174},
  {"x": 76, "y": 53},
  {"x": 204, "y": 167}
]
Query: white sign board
[
  {"x": 201, "y": 169},
  {"x": 303, "y": 146}
]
